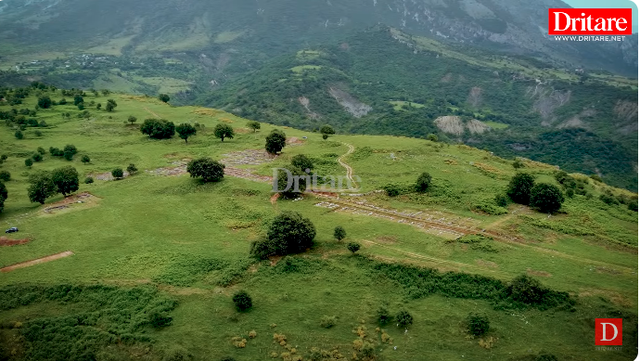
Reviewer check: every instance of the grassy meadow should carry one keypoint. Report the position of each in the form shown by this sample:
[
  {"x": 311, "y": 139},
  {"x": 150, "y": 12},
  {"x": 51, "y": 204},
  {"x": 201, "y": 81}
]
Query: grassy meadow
[{"x": 151, "y": 242}]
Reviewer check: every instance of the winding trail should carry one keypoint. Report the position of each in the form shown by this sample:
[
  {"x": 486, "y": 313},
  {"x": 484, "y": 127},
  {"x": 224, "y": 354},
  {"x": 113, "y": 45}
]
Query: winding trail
[
  {"x": 152, "y": 113},
  {"x": 346, "y": 166},
  {"x": 34, "y": 262}
]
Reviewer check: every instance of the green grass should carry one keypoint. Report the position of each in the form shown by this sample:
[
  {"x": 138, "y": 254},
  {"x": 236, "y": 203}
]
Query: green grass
[
  {"x": 302, "y": 68},
  {"x": 191, "y": 242},
  {"x": 399, "y": 105},
  {"x": 496, "y": 125}
]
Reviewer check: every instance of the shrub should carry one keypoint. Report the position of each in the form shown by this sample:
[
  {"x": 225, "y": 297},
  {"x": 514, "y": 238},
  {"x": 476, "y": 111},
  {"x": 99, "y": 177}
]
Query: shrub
[
  {"x": 160, "y": 319},
  {"x": 131, "y": 168},
  {"x": 394, "y": 190},
  {"x": 44, "y": 102},
  {"x": 242, "y": 301},
  {"x": 477, "y": 325},
  {"x": 56, "y": 152},
  {"x": 325, "y": 136},
  {"x": 3, "y": 158},
  {"x": 328, "y": 321},
  {"x": 177, "y": 354},
  {"x": 526, "y": 289},
  {"x": 502, "y": 200},
  {"x": 69, "y": 151},
  {"x": 111, "y": 105},
  {"x": 404, "y": 319},
  {"x": 517, "y": 164},
  {"x": 41, "y": 151},
  {"x": 207, "y": 169},
  {"x": 158, "y": 128},
  {"x": 302, "y": 162},
  {"x": 85, "y": 159},
  {"x": 117, "y": 173},
  {"x": 432, "y": 137},
  {"x": 275, "y": 141},
  {"x": 37, "y": 157},
  {"x": 519, "y": 189},
  {"x": 132, "y": 119},
  {"x": 164, "y": 98},
  {"x": 383, "y": 316},
  {"x": 5, "y": 176},
  {"x": 423, "y": 182},
  {"x": 292, "y": 182},
  {"x": 88, "y": 180},
  {"x": 546, "y": 357},
  {"x": 291, "y": 233},
  {"x": 28, "y": 162},
  {"x": 353, "y": 247},
  {"x": 339, "y": 233},
  {"x": 253, "y": 125},
  {"x": 327, "y": 130},
  {"x": 546, "y": 197},
  {"x": 18, "y": 134}
]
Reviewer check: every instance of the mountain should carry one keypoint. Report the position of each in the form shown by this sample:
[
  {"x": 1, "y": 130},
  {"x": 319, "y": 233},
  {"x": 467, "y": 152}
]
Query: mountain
[
  {"x": 384, "y": 81},
  {"x": 231, "y": 32}
]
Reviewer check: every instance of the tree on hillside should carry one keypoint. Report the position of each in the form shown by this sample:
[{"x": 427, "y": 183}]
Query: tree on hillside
[
  {"x": 339, "y": 233},
  {"x": 85, "y": 159},
  {"x": 432, "y": 137},
  {"x": 132, "y": 119},
  {"x": 117, "y": 173},
  {"x": 327, "y": 130},
  {"x": 253, "y": 125},
  {"x": 276, "y": 141},
  {"x": 111, "y": 105},
  {"x": 288, "y": 233},
  {"x": 185, "y": 131},
  {"x": 28, "y": 162},
  {"x": 41, "y": 150},
  {"x": 517, "y": 164},
  {"x": 18, "y": 134},
  {"x": 164, "y": 98},
  {"x": 41, "y": 187},
  {"x": 37, "y": 157},
  {"x": 5, "y": 176},
  {"x": 66, "y": 180},
  {"x": 546, "y": 197},
  {"x": 519, "y": 189},
  {"x": 242, "y": 301},
  {"x": 424, "y": 182},
  {"x": 207, "y": 169},
  {"x": 302, "y": 162},
  {"x": 44, "y": 102},
  {"x": 69, "y": 151},
  {"x": 404, "y": 319},
  {"x": 77, "y": 100},
  {"x": 289, "y": 187},
  {"x": 223, "y": 131},
  {"x": 353, "y": 247},
  {"x": 132, "y": 169},
  {"x": 158, "y": 128}
]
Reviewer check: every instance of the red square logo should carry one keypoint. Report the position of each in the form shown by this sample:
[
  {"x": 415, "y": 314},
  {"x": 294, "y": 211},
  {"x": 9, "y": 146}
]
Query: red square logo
[{"x": 608, "y": 332}]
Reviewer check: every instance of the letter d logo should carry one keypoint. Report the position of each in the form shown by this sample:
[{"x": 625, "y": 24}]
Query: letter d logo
[{"x": 608, "y": 332}]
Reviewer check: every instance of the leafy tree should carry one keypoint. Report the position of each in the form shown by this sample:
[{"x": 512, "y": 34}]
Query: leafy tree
[
  {"x": 132, "y": 119},
  {"x": 37, "y": 157},
  {"x": 288, "y": 233},
  {"x": 502, "y": 200},
  {"x": 158, "y": 128},
  {"x": 404, "y": 319},
  {"x": 339, "y": 233},
  {"x": 327, "y": 130},
  {"x": 117, "y": 173},
  {"x": 85, "y": 159},
  {"x": 5, "y": 176},
  {"x": 164, "y": 98},
  {"x": 432, "y": 137},
  {"x": 223, "y": 131},
  {"x": 131, "y": 168},
  {"x": 88, "y": 180},
  {"x": 66, "y": 180},
  {"x": 519, "y": 189},
  {"x": 99, "y": 106},
  {"x": 81, "y": 106},
  {"x": 276, "y": 141},
  {"x": 546, "y": 197},
  {"x": 4, "y": 157},
  {"x": 207, "y": 169},
  {"x": 44, "y": 102},
  {"x": 3, "y": 195},
  {"x": 477, "y": 325},
  {"x": 28, "y": 162},
  {"x": 242, "y": 300},
  {"x": 56, "y": 152},
  {"x": 424, "y": 182},
  {"x": 69, "y": 151},
  {"x": 106, "y": 92},
  {"x": 18, "y": 134},
  {"x": 253, "y": 125},
  {"x": 302, "y": 162},
  {"x": 41, "y": 187},
  {"x": 353, "y": 247},
  {"x": 111, "y": 105},
  {"x": 291, "y": 187},
  {"x": 383, "y": 316},
  {"x": 78, "y": 99},
  {"x": 186, "y": 130},
  {"x": 325, "y": 136},
  {"x": 41, "y": 150}
]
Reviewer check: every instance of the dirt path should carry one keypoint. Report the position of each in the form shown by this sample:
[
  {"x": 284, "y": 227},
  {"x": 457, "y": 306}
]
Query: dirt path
[
  {"x": 152, "y": 113},
  {"x": 34, "y": 262},
  {"x": 346, "y": 166}
]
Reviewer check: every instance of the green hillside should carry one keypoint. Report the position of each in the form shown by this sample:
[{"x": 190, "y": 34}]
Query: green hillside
[
  {"x": 153, "y": 260},
  {"x": 584, "y": 122}
]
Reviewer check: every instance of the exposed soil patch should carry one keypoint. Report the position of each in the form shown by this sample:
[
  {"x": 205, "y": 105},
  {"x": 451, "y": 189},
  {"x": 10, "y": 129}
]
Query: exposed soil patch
[
  {"x": 538, "y": 273},
  {"x": 6, "y": 242},
  {"x": 248, "y": 157},
  {"x": 293, "y": 141},
  {"x": 387, "y": 239},
  {"x": 450, "y": 124},
  {"x": 246, "y": 174},
  {"x": 107, "y": 176},
  {"x": 489, "y": 264},
  {"x": 34, "y": 262},
  {"x": 179, "y": 167},
  {"x": 68, "y": 201}
]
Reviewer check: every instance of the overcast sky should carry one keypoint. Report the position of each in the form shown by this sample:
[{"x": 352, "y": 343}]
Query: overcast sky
[{"x": 607, "y": 4}]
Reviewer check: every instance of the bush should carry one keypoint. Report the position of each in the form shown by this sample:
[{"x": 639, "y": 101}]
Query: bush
[
  {"x": 383, "y": 316},
  {"x": 37, "y": 157},
  {"x": 546, "y": 357},
  {"x": 546, "y": 197},
  {"x": 132, "y": 119},
  {"x": 432, "y": 137},
  {"x": 44, "y": 102},
  {"x": 158, "y": 128},
  {"x": 5, "y": 176},
  {"x": 28, "y": 162},
  {"x": 56, "y": 152},
  {"x": 339, "y": 233},
  {"x": 477, "y": 325},
  {"x": 85, "y": 159},
  {"x": 328, "y": 321},
  {"x": 69, "y": 151},
  {"x": 177, "y": 354},
  {"x": 404, "y": 319},
  {"x": 293, "y": 183},
  {"x": 517, "y": 164},
  {"x": 302, "y": 162},
  {"x": 424, "y": 182},
  {"x": 275, "y": 142},
  {"x": 41, "y": 151},
  {"x": 117, "y": 173},
  {"x": 88, "y": 180},
  {"x": 394, "y": 190},
  {"x": 131, "y": 168},
  {"x": 502, "y": 200},
  {"x": 327, "y": 130},
  {"x": 18, "y": 134},
  {"x": 207, "y": 169},
  {"x": 353, "y": 247},
  {"x": 526, "y": 289},
  {"x": 519, "y": 189},
  {"x": 164, "y": 98},
  {"x": 242, "y": 300}
]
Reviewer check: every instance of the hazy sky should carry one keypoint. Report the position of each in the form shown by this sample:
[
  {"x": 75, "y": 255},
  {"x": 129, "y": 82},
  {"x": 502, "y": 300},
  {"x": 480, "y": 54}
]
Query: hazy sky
[{"x": 607, "y": 4}]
